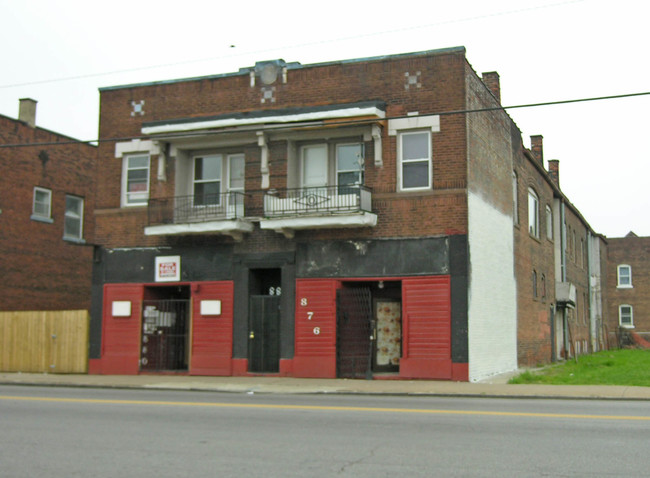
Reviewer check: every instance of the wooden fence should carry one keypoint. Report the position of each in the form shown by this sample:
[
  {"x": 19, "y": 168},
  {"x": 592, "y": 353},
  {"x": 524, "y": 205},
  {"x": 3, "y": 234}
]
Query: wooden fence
[{"x": 44, "y": 341}]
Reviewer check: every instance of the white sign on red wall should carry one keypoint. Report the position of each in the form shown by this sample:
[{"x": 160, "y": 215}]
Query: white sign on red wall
[{"x": 168, "y": 268}]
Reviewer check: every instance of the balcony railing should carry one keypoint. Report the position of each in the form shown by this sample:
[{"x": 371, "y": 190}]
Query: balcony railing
[
  {"x": 323, "y": 200},
  {"x": 196, "y": 208}
]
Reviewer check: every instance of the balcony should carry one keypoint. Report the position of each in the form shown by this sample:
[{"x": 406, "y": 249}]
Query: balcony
[
  {"x": 287, "y": 210},
  {"x": 198, "y": 214}
]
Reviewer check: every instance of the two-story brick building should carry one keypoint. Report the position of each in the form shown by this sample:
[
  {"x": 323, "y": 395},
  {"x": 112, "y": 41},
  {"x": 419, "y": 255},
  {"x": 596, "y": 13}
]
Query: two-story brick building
[
  {"x": 560, "y": 263},
  {"x": 628, "y": 271},
  {"x": 350, "y": 219},
  {"x": 46, "y": 215}
]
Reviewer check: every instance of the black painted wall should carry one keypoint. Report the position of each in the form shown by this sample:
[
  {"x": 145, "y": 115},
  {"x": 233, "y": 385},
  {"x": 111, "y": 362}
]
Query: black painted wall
[{"x": 379, "y": 258}]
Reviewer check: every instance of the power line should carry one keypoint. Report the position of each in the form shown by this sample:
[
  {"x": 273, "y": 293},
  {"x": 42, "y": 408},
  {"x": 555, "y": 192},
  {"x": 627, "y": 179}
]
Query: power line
[
  {"x": 294, "y": 46},
  {"x": 341, "y": 123}
]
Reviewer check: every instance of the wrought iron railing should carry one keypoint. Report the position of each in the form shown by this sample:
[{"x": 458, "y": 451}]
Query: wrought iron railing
[
  {"x": 317, "y": 200},
  {"x": 196, "y": 208},
  {"x": 276, "y": 203}
]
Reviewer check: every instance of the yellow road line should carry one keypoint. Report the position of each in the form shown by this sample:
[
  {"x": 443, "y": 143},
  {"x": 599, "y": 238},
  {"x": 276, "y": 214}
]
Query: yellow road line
[{"x": 330, "y": 408}]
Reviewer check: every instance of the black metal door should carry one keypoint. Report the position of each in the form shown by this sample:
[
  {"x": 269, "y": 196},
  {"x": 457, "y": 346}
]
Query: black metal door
[
  {"x": 354, "y": 341},
  {"x": 264, "y": 334},
  {"x": 165, "y": 327}
]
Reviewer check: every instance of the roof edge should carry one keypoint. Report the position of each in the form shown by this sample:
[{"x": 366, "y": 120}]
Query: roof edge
[{"x": 289, "y": 66}]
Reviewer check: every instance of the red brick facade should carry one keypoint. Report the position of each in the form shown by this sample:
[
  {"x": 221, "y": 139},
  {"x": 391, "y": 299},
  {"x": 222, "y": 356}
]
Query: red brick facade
[
  {"x": 478, "y": 163},
  {"x": 41, "y": 270},
  {"x": 535, "y": 264},
  {"x": 335, "y": 83},
  {"x": 632, "y": 251}
]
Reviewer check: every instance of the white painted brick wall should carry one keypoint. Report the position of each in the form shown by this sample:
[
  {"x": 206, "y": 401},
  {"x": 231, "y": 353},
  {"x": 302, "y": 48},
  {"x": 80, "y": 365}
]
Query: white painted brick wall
[{"x": 492, "y": 291}]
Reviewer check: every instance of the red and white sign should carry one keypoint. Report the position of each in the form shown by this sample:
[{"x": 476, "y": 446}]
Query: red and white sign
[{"x": 168, "y": 268}]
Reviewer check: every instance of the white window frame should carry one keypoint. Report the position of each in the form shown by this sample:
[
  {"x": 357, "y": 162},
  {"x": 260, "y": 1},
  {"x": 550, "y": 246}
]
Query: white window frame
[
  {"x": 140, "y": 198},
  {"x": 229, "y": 160},
  {"x": 533, "y": 207},
  {"x": 303, "y": 168},
  {"x": 620, "y": 284},
  {"x": 38, "y": 214},
  {"x": 332, "y": 170},
  {"x": 401, "y": 161},
  {"x": 629, "y": 324},
  {"x": 360, "y": 162},
  {"x": 194, "y": 181},
  {"x": 77, "y": 216}
]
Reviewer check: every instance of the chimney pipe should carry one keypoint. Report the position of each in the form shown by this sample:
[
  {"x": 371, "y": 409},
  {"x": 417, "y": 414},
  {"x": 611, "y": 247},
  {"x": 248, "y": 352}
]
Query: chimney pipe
[
  {"x": 491, "y": 80},
  {"x": 537, "y": 148},
  {"x": 554, "y": 171},
  {"x": 27, "y": 111}
]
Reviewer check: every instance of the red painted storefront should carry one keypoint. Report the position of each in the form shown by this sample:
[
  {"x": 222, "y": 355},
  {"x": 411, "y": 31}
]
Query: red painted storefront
[
  {"x": 210, "y": 337},
  {"x": 426, "y": 329},
  {"x": 425, "y": 334}
]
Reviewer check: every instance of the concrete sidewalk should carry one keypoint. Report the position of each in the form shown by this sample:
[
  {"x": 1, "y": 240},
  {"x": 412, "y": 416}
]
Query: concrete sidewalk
[{"x": 494, "y": 387}]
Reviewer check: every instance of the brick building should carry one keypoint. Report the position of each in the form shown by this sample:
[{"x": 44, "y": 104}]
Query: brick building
[
  {"x": 628, "y": 275},
  {"x": 347, "y": 219},
  {"x": 46, "y": 212},
  {"x": 560, "y": 264}
]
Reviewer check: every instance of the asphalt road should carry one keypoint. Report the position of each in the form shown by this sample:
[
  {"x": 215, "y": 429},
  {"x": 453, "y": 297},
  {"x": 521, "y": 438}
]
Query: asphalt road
[{"x": 69, "y": 432}]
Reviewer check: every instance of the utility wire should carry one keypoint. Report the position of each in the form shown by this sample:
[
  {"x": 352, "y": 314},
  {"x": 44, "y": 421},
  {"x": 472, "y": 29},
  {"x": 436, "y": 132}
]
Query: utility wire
[
  {"x": 295, "y": 46},
  {"x": 338, "y": 123}
]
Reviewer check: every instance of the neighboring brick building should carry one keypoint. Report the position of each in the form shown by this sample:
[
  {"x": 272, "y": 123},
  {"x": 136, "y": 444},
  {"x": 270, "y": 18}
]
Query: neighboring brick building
[
  {"x": 46, "y": 204},
  {"x": 338, "y": 219},
  {"x": 559, "y": 263},
  {"x": 628, "y": 275}
]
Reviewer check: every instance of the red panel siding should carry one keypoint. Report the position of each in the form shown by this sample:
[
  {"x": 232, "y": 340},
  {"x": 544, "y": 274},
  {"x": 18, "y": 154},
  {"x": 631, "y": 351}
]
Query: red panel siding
[
  {"x": 427, "y": 328},
  {"x": 121, "y": 335},
  {"x": 212, "y": 335},
  {"x": 315, "y": 353}
]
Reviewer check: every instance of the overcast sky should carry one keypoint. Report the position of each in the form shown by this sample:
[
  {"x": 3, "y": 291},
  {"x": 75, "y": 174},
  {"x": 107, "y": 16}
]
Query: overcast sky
[{"x": 60, "y": 52}]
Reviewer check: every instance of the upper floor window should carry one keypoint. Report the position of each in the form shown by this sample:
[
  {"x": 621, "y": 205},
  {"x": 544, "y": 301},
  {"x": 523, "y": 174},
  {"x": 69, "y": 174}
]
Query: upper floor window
[
  {"x": 349, "y": 164},
  {"x": 414, "y": 161},
  {"x": 214, "y": 175},
  {"x": 534, "y": 284},
  {"x": 626, "y": 316},
  {"x": 314, "y": 166},
  {"x": 73, "y": 222},
  {"x": 331, "y": 165},
  {"x": 533, "y": 213},
  {"x": 573, "y": 245},
  {"x": 135, "y": 180},
  {"x": 42, "y": 205},
  {"x": 624, "y": 276},
  {"x": 549, "y": 223}
]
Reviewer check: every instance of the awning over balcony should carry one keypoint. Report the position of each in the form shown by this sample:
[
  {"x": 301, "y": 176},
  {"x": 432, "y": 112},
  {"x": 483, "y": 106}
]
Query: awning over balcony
[{"x": 261, "y": 118}]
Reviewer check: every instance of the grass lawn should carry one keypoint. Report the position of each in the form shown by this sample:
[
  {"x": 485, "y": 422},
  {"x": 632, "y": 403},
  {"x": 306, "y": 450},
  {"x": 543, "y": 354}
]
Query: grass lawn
[{"x": 609, "y": 367}]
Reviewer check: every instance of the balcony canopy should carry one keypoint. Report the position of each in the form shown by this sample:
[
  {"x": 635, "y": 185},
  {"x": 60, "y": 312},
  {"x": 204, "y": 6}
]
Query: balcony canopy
[{"x": 262, "y": 119}]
